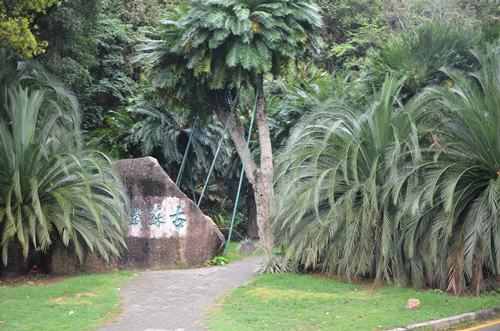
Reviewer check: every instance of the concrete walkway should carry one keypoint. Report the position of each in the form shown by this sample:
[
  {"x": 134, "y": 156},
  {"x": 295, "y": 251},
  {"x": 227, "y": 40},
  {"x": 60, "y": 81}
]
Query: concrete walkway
[{"x": 175, "y": 299}]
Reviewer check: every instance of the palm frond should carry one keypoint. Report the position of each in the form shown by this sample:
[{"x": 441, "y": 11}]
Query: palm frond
[{"x": 331, "y": 183}]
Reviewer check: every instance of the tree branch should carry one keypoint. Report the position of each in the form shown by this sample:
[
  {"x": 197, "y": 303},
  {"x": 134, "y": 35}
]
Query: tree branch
[{"x": 236, "y": 132}]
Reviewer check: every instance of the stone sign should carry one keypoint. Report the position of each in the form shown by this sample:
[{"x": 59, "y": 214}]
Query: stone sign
[{"x": 165, "y": 227}]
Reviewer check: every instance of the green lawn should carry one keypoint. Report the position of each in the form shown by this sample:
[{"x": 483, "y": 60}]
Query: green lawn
[
  {"x": 296, "y": 302},
  {"x": 233, "y": 254},
  {"x": 278, "y": 301},
  {"x": 77, "y": 303}
]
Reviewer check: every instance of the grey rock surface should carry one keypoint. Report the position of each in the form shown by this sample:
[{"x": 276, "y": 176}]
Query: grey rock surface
[
  {"x": 166, "y": 228},
  {"x": 247, "y": 248},
  {"x": 413, "y": 304}
]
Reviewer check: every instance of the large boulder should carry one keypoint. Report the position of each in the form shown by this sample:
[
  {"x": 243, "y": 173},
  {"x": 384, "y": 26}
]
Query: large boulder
[
  {"x": 166, "y": 229},
  {"x": 64, "y": 261}
]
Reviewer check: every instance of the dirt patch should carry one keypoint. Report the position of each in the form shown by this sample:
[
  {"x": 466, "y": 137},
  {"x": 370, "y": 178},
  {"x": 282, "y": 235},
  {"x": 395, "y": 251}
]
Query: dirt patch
[
  {"x": 89, "y": 294},
  {"x": 39, "y": 279},
  {"x": 77, "y": 296},
  {"x": 58, "y": 299},
  {"x": 109, "y": 318},
  {"x": 267, "y": 293},
  {"x": 217, "y": 307}
]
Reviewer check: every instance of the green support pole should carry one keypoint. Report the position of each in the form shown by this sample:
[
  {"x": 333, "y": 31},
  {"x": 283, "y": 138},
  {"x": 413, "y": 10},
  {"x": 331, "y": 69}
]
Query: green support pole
[
  {"x": 191, "y": 180},
  {"x": 242, "y": 170},
  {"x": 177, "y": 182},
  {"x": 218, "y": 148}
]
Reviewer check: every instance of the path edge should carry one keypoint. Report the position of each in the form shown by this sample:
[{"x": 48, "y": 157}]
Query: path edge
[{"x": 448, "y": 322}]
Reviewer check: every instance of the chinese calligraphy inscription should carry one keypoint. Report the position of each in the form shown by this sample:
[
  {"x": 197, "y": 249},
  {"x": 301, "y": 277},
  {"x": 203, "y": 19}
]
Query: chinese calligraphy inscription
[
  {"x": 135, "y": 216},
  {"x": 156, "y": 218},
  {"x": 177, "y": 220}
]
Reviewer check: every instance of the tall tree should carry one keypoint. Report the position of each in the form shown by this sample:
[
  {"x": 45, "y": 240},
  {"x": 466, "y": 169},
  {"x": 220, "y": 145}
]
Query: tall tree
[
  {"x": 17, "y": 27},
  {"x": 213, "y": 47}
]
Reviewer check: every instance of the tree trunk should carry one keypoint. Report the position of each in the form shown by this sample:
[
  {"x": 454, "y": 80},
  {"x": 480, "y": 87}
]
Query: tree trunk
[
  {"x": 253, "y": 229},
  {"x": 264, "y": 186},
  {"x": 17, "y": 264},
  {"x": 260, "y": 178}
]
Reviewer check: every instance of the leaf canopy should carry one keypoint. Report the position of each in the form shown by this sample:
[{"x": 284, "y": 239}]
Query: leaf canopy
[{"x": 224, "y": 43}]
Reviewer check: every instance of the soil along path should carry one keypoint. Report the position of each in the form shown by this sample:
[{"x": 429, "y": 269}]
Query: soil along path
[{"x": 175, "y": 299}]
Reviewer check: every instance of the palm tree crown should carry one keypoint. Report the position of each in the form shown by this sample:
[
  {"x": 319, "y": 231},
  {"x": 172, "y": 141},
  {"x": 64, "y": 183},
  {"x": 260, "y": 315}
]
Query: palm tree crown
[{"x": 226, "y": 42}]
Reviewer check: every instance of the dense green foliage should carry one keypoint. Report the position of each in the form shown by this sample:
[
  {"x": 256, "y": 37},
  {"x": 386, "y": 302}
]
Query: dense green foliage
[
  {"x": 91, "y": 49},
  {"x": 408, "y": 15},
  {"x": 223, "y": 44},
  {"x": 332, "y": 209},
  {"x": 405, "y": 193},
  {"x": 50, "y": 186},
  {"x": 17, "y": 28},
  {"x": 350, "y": 29}
]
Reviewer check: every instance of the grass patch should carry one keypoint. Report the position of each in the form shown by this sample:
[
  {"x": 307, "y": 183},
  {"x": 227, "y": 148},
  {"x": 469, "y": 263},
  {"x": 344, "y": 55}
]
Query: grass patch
[
  {"x": 234, "y": 255},
  {"x": 90, "y": 298},
  {"x": 296, "y": 302}
]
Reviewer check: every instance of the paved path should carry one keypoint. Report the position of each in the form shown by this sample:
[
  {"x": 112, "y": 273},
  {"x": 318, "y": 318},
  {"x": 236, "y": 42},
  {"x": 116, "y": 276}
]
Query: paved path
[
  {"x": 175, "y": 299},
  {"x": 486, "y": 326}
]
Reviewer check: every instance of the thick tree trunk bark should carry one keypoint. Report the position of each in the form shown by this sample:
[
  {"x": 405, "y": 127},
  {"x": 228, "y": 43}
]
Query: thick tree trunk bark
[
  {"x": 259, "y": 177},
  {"x": 264, "y": 186},
  {"x": 253, "y": 229},
  {"x": 17, "y": 264}
]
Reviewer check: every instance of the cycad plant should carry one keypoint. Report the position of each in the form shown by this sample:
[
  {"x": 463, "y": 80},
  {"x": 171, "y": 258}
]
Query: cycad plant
[
  {"x": 291, "y": 96},
  {"x": 419, "y": 56},
  {"x": 166, "y": 128},
  {"x": 332, "y": 209},
  {"x": 50, "y": 187},
  {"x": 159, "y": 128},
  {"x": 56, "y": 97},
  {"x": 453, "y": 237}
]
